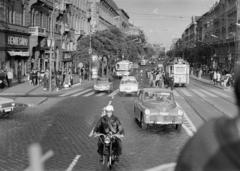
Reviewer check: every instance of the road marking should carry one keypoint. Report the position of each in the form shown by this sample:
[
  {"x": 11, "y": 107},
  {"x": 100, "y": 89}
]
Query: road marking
[
  {"x": 219, "y": 93},
  {"x": 208, "y": 93},
  {"x": 198, "y": 93},
  {"x": 188, "y": 131},
  {"x": 71, "y": 92},
  {"x": 114, "y": 93},
  {"x": 74, "y": 162},
  {"x": 100, "y": 94},
  {"x": 89, "y": 94},
  {"x": 185, "y": 92},
  {"x": 85, "y": 91},
  {"x": 167, "y": 166}
]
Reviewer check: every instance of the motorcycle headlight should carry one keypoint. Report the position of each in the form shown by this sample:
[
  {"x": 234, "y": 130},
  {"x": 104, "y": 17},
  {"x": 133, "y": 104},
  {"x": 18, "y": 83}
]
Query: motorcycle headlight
[
  {"x": 107, "y": 140},
  {"x": 147, "y": 111},
  {"x": 13, "y": 104}
]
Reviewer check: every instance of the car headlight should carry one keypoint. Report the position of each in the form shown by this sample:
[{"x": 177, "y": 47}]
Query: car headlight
[
  {"x": 13, "y": 104},
  {"x": 180, "y": 113},
  {"x": 147, "y": 112},
  {"x": 0, "y": 106}
]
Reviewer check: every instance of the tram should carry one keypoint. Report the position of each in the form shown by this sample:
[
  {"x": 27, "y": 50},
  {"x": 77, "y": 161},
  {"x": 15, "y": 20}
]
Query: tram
[
  {"x": 178, "y": 70},
  {"x": 123, "y": 68}
]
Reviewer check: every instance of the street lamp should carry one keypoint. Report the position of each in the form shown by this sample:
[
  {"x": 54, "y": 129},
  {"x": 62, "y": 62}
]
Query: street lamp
[{"x": 51, "y": 43}]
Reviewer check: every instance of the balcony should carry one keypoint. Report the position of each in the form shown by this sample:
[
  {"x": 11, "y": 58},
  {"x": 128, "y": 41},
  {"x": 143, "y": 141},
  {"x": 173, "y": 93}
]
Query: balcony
[{"x": 38, "y": 31}]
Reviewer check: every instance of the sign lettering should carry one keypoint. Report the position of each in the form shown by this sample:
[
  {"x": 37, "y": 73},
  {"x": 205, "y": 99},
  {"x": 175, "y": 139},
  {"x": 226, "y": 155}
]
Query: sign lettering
[{"x": 17, "y": 41}]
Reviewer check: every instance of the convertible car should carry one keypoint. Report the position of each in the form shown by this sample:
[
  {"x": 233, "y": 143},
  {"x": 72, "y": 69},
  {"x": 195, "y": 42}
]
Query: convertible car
[
  {"x": 157, "y": 106},
  {"x": 103, "y": 84}
]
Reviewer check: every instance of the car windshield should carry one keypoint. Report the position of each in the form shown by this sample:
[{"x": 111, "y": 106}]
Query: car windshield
[
  {"x": 128, "y": 81},
  {"x": 162, "y": 97},
  {"x": 100, "y": 80}
]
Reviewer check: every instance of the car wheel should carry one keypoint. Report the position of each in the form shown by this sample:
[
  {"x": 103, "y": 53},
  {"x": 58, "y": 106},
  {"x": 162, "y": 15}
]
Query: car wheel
[{"x": 142, "y": 124}]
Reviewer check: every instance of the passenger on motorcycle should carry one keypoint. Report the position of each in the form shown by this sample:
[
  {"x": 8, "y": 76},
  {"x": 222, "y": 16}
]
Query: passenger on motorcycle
[{"x": 109, "y": 124}]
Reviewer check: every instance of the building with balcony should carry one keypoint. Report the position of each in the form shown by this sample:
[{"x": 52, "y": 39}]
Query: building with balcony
[
  {"x": 14, "y": 35},
  {"x": 104, "y": 14},
  {"x": 74, "y": 25},
  {"x": 122, "y": 21}
]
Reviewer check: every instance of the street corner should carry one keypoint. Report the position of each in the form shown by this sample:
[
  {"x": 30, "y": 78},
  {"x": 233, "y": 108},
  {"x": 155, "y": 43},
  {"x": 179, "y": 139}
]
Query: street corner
[{"x": 30, "y": 101}]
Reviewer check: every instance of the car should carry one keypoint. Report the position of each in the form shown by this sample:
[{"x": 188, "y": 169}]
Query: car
[
  {"x": 156, "y": 106},
  {"x": 103, "y": 84},
  {"x": 128, "y": 85},
  {"x": 6, "y": 107}
]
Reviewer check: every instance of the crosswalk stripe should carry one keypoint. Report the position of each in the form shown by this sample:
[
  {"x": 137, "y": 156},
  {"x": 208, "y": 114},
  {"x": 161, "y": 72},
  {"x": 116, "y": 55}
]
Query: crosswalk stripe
[
  {"x": 208, "y": 93},
  {"x": 198, "y": 93},
  {"x": 88, "y": 94},
  {"x": 82, "y": 92},
  {"x": 114, "y": 93},
  {"x": 100, "y": 94},
  {"x": 71, "y": 92},
  {"x": 219, "y": 93},
  {"x": 185, "y": 92}
]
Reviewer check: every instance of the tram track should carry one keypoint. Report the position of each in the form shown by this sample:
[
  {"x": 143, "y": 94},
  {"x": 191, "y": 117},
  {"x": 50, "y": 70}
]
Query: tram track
[
  {"x": 188, "y": 100},
  {"x": 205, "y": 88}
]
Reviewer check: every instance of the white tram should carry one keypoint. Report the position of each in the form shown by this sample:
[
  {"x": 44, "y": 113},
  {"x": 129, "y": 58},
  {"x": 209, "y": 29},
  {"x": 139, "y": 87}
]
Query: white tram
[{"x": 178, "y": 69}]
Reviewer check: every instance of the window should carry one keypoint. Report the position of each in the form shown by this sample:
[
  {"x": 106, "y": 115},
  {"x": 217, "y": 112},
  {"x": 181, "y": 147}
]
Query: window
[{"x": 10, "y": 14}]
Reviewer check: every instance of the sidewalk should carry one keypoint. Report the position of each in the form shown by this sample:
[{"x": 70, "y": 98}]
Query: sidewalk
[
  {"x": 25, "y": 89},
  {"x": 207, "y": 80}
]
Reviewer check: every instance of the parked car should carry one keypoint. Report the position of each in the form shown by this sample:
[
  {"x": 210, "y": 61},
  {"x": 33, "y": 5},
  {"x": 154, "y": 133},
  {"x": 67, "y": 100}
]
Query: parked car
[
  {"x": 103, "y": 84},
  {"x": 6, "y": 107},
  {"x": 128, "y": 85},
  {"x": 157, "y": 106}
]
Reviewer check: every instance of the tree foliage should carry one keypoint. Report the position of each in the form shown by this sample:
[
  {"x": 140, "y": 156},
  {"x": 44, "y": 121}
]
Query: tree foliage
[{"x": 112, "y": 43}]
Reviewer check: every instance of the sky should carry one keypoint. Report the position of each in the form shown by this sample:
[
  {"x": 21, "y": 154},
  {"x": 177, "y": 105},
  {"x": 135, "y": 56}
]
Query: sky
[{"x": 163, "y": 20}]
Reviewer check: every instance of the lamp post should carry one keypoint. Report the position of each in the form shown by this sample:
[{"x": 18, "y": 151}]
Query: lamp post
[{"x": 51, "y": 44}]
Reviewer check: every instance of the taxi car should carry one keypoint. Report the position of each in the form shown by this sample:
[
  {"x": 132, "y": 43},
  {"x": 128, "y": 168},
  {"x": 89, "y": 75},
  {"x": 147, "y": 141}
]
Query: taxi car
[
  {"x": 128, "y": 85},
  {"x": 103, "y": 84},
  {"x": 157, "y": 106},
  {"x": 6, "y": 106}
]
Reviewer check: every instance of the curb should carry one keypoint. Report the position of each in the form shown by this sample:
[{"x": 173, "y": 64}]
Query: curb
[{"x": 56, "y": 94}]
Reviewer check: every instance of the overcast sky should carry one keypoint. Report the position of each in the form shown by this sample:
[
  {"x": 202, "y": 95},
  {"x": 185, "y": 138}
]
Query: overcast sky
[{"x": 164, "y": 20}]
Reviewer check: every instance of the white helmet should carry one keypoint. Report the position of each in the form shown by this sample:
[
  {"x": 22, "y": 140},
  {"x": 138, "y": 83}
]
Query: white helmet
[{"x": 109, "y": 108}]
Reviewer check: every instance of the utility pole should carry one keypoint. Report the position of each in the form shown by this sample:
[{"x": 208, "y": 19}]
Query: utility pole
[
  {"x": 237, "y": 33},
  {"x": 51, "y": 44}
]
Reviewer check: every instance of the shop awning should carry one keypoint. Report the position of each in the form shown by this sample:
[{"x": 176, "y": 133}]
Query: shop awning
[{"x": 18, "y": 53}]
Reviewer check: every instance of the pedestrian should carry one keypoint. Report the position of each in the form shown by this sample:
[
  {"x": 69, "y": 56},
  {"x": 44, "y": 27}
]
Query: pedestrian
[
  {"x": 80, "y": 76},
  {"x": 218, "y": 78},
  {"x": 9, "y": 77},
  {"x": 19, "y": 73},
  {"x": 214, "y": 77},
  {"x": 215, "y": 146}
]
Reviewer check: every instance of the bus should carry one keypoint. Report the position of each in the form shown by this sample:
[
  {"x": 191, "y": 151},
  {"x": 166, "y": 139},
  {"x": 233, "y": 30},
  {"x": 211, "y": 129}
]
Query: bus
[
  {"x": 178, "y": 69},
  {"x": 123, "y": 68}
]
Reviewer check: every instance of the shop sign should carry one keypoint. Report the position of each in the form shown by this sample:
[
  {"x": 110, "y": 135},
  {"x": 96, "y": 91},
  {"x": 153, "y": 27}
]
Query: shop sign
[{"x": 17, "y": 41}]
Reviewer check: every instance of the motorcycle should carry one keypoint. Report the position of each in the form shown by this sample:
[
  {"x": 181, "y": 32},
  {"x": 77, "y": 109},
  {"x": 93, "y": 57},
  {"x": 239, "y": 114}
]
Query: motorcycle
[{"x": 108, "y": 156}]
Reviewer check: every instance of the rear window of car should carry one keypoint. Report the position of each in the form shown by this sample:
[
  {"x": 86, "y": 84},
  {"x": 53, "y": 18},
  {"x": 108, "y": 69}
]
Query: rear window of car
[{"x": 161, "y": 97}]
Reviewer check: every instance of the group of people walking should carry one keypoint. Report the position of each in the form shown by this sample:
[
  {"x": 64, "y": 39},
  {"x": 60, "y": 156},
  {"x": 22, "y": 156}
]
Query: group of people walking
[
  {"x": 157, "y": 78},
  {"x": 59, "y": 79}
]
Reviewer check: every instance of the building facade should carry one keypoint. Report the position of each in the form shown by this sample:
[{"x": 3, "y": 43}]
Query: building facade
[
  {"x": 104, "y": 14},
  {"x": 218, "y": 31},
  {"x": 14, "y": 35}
]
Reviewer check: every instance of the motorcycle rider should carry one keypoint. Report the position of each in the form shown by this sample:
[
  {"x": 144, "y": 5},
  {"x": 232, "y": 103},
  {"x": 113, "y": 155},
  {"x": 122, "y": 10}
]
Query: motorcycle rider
[{"x": 109, "y": 124}]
